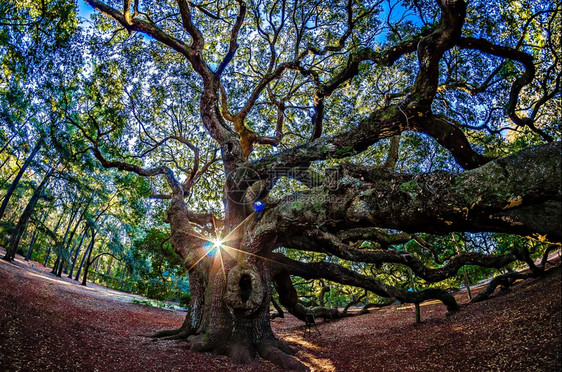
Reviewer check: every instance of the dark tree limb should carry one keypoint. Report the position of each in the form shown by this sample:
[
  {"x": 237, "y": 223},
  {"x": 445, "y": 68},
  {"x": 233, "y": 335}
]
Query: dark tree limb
[
  {"x": 505, "y": 280},
  {"x": 280, "y": 313},
  {"x": 289, "y": 299},
  {"x": 365, "y": 309},
  {"x": 453, "y": 139},
  {"x": 353, "y": 303},
  {"x": 392, "y": 157},
  {"x": 373, "y": 234},
  {"x": 331, "y": 245},
  {"x": 233, "y": 46},
  {"x": 283, "y": 266},
  {"x": 512, "y": 54}
]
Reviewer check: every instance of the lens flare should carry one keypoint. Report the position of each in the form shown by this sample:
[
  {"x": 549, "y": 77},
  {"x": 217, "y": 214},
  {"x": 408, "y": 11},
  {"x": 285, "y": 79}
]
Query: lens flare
[
  {"x": 217, "y": 243},
  {"x": 212, "y": 246}
]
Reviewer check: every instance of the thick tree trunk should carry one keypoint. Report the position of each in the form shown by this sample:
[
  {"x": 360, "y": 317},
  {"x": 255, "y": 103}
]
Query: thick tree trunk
[
  {"x": 235, "y": 312},
  {"x": 230, "y": 291},
  {"x": 18, "y": 177}
]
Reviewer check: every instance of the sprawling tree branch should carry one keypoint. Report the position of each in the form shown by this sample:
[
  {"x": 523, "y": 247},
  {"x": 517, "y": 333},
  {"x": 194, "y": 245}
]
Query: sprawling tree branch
[
  {"x": 523, "y": 80},
  {"x": 518, "y": 194},
  {"x": 339, "y": 274},
  {"x": 374, "y": 234},
  {"x": 148, "y": 28},
  {"x": 320, "y": 241}
]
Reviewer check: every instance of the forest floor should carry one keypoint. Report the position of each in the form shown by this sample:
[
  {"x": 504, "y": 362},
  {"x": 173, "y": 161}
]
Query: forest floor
[{"x": 48, "y": 323}]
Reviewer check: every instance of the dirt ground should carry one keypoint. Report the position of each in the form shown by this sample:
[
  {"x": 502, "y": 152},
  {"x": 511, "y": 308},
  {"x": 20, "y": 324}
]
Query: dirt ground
[{"x": 49, "y": 324}]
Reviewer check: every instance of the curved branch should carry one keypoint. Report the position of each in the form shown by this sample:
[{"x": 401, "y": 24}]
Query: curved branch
[
  {"x": 197, "y": 36},
  {"x": 373, "y": 234},
  {"x": 505, "y": 280},
  {"x": 340, "y": 274},
  {"x": 523, "y": 80},
  {"x": 102, "y": 254},
  {"x": 174, "y": 184},
  {"x": 233, "y": 39},
  {"x": 380, "y": 124},
  {"x": 332, "y": 245},
  {"x": 430, "y": 51},
  {"x": 454, "y": 140},
  {"x": 145, "y": 27},
  {"x": 384, "y": 58}
]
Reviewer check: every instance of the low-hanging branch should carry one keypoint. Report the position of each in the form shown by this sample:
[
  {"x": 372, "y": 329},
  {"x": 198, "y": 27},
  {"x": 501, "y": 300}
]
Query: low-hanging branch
[
  {"x": 330, "y": 244},
  {"x": 342, "y": 275}
]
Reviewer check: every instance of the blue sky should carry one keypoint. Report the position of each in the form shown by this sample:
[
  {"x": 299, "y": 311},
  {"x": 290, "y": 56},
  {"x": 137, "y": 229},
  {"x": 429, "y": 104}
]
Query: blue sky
[{"x": 84, "y": 10}]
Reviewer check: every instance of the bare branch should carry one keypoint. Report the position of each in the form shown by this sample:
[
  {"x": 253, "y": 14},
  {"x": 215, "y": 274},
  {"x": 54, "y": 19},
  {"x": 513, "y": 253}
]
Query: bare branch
[
  {"x": 523, "y": 80},
  {"x": 198, "y": 41},
  {"x": 233, "y": 39}
]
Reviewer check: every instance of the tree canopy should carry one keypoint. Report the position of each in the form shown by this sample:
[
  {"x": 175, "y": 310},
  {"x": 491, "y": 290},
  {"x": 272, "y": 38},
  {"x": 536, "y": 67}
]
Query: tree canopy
[{"x": 356, "y": 142}]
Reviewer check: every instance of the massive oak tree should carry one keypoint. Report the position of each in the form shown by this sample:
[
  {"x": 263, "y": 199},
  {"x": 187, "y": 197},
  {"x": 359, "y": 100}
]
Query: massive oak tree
[{"x": 235, "y": 100}]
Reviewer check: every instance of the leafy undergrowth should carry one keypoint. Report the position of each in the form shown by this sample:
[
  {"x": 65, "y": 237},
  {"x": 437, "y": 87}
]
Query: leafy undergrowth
[{"x": 52, "y": 324}]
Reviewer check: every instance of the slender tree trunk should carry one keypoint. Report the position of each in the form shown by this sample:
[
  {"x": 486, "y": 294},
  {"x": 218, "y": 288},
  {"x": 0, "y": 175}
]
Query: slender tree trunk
[
  {"x": 13, "y": 137},
  {"x": 6, "y": 181},
  {"x": 417, "y": 305},
  {"x": 86, "y": 255},
  {"x": 122, "y": 276},
  {"x": 61, "y": 259},
  {"x": 97, "y": 269},
  {"x": 88, "y": 262},
  {"x": 77, "y": 252},
  {"x": 108, "y": 270},
  {"x": 35, "y": 231},
  {"x": 56, "y": 265},
  {"x": 22, "y": 223},
  {"x": 18, "y": 177},
  {"x": 50, "y": 248},
  {"x": 31, "y": 244},
  {"x": 4, "y": 163},
  {"x": 69, "y": 241}
]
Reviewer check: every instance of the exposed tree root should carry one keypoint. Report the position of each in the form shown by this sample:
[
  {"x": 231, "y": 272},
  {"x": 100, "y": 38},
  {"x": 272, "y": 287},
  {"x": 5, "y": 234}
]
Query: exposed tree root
[
  {"x": 271, "y": 350},
  {"x": 365, "y": 309},
  {"x": 280, "y": 313},
  {"x": 505, "y": 280},
  {"x": 276, "y": 351},
  {"x": 166, "y": 333}
]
